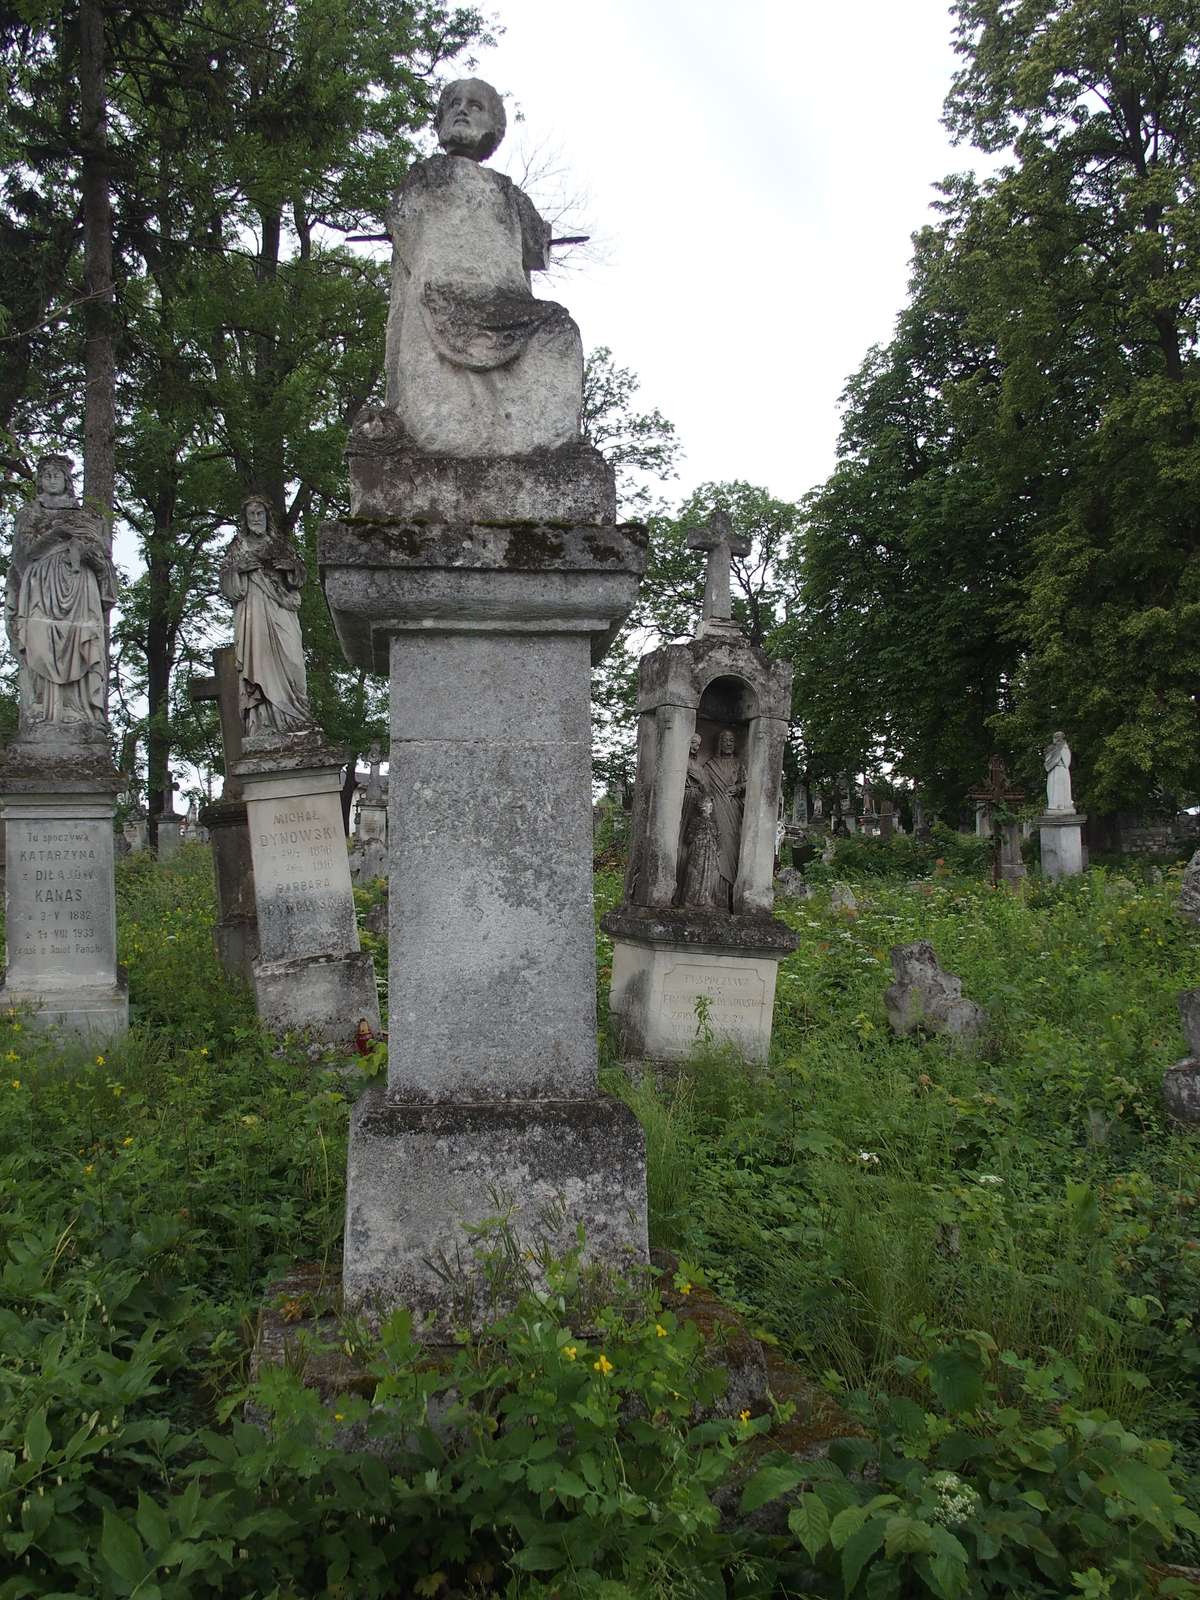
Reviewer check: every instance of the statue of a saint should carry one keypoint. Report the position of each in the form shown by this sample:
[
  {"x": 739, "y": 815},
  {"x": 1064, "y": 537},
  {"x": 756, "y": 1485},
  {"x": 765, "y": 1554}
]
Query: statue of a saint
[
  {"x": 1057, "y": 761},
  {"x": 262, "y": 574},
  {"x": 725, "y": 781},
  {"x": 703, "y": 884},
  {"x": 476, "y": 366},
  {"x": 61, "y": 587}
]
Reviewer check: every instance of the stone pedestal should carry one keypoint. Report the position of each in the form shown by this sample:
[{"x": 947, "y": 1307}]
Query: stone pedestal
[
  {"x": 368, "y": 851},
  {"x": 170, "y": 836},
  {"x": 489, "y": 628},
  {"x": 236, "y": 931},
  {"x": 679, "y": 976},
  {"x": 60, "y": 905},
  {"x": 310, "y": 975},
  {"x": 1061, "y": 836},
  {"x": 1012, "y": 868}
]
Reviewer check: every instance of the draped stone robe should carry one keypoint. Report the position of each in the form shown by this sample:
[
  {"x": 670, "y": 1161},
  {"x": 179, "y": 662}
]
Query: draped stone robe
[
  {"x": 273, "y": 687},
  {"x": 61, "y": 585},
  {"x": 476, "y": 365},
  {"x": 725, "y": 781}
]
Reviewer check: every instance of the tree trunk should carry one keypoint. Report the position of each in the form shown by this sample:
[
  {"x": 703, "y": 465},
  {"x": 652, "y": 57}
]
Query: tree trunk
[
  {"x": 160, "y": 658},
  {"x": 99, "y": 363}
]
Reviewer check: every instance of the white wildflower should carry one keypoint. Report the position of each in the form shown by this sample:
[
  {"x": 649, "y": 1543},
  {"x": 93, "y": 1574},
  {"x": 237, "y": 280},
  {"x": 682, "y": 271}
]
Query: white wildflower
[
  {"x": 868, "y": 1158},
  {"x": 956, "y": 1501}
]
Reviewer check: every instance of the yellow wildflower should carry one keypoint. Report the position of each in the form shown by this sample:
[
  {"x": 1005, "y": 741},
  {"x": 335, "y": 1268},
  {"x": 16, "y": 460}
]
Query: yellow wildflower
[
  {"x": 89, "y": 1169},
  {"x": 339, "y": 1416},
  {"x": 11, "y": 1056},
  {"x": 685, "y": 1288},
  {"x": 16, "y": 1083},
  {"x": 127, "y": 1142},
  {"x": 570, "y": 1351},
  {"x": 604, "y": 1366},
  {"x": 660, "y": 1330},
  {"x": 203, "y": 1049},
  {"x": 99, "y": 1061},
  {"x": 743, "y": 1417}
]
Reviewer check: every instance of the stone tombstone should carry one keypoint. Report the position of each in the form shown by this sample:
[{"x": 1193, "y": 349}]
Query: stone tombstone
[
  {"x": 235, "y": 932},
  {"x": 1060, "y": 826},
  {"x": 925, "y": 996},
  {"x": 58, "y": 784},
  {"x": 368, "y": 854},
  {"x": 310, "y": 974},
  {"x": 995, "y": 803},
  {"x": 1188, "y": 904},
  {"x": 695, "y": 946},
  {"x": 137, "y": 834},
  {"x": 1181, "y": 1082},
  {"x": 482, "y": 567}
]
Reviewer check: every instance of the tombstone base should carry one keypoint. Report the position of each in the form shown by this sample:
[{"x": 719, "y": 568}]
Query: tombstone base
[
  {"x": 679, "y": 976},
  {"x": 98, "y": 1013},
  {"x": 1061, "y": 838},
  {"x": 325, "y": 997},
  {"x": 419, "y": 1176},
  {"x": 1181, "y": 1090}
]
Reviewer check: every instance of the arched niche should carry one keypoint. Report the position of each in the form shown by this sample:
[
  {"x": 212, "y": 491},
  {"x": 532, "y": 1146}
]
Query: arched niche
[{"x": 727, "y": 702}]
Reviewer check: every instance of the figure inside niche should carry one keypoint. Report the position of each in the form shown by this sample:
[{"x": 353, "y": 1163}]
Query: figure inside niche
[
  {"x": 476, "y": 366},
  {"x": 725, "y": 781},
  {"x": 703, "y": 883},
  {"x": 1057, "y": 761},
  {"x": 262, "y": 574},
  {"x": 61, "y": 587}
]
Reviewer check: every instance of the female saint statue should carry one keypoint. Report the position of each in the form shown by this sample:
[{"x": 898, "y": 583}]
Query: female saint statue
[
  {"x": 725, "y": 780},
  {"x": 476, "y": 366},
  {"x": 702, "y": 881},
  {"x": 61, "y": 587},
  {"x": 1057, "y": 761},
  {"x": 262, "y": 574}
]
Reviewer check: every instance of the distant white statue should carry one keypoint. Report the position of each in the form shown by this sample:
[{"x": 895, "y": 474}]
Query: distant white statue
[
  {"x": 262, "y": 574},
  {"x": 476, "y": 366},
  {"x": 61, "y": 587},
  {"x": 1057, "y": 761}
]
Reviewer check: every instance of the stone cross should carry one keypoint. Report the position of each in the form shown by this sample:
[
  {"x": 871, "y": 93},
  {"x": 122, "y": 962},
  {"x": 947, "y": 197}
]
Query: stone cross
[
  {"x": 722, "y": 543},
  {"x": 223, "y": 687},
  {"x": 374, "y": 790}
]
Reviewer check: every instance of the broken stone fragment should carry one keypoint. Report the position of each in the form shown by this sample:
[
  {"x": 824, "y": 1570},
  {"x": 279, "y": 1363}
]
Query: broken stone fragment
[
  {"x": 1181, "y": 1082},
  {"x": 924, "y": 996}
]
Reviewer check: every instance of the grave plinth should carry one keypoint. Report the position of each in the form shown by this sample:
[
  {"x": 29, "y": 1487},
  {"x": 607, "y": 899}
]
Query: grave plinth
[
  {"x": 696, "y": 948},
  {"x": 489, "y": 628},
  {"x": 60, "y": 904},
  {"x": 1061, "y": 840},
  {"x": 310, "y": 975}
]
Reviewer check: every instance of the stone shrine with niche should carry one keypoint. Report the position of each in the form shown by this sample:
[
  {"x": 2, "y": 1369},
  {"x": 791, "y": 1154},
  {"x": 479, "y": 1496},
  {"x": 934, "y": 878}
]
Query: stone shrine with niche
[
  {"x": 696, "y": 948},
  {"x": 482, "y": 566},
  {"x": 58, "y": 783}
]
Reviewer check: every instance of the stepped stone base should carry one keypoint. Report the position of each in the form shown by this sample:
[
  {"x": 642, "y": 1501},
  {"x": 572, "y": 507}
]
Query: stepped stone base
[
  {"x": 420, "y": 1176},
  {"x": 324, "y": 997}
]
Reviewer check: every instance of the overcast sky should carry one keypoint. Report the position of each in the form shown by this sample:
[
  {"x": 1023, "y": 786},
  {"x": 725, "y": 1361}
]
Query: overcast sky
[{"x": 755, "y": 171}]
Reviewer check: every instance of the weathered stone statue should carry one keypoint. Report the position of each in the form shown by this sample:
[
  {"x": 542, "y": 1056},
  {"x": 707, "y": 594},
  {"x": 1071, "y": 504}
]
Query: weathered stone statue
[
  {"x": 262, "y": 574},
  {"x": 725, "y": 781},
  {"x": 693, "y": 788},
  {"x": 476, "y": 366},
  {"x": 61, "y": 586},
  {"x": 1057, "y": 761},
  {"x": 702, "y": 881}
]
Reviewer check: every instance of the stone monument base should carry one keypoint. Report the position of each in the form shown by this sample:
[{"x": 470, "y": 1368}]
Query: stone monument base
[
  {"x": 419, "y": 1175},
  {"x": 1061, "y": 835},
  {"x": 323, "y": 996},
  {"x": 96, "y": 1012},
  {"x": 678, "y": 974}
]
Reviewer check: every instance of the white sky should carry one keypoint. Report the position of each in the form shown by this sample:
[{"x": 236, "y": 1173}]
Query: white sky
[{"x": 756, "y": 171}]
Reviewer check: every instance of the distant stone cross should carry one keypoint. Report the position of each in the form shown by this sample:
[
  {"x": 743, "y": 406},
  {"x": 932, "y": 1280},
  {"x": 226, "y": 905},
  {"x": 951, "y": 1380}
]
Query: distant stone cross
[
  {"x": 374, "y": 791},
  {"x": 722, "y": 543}
]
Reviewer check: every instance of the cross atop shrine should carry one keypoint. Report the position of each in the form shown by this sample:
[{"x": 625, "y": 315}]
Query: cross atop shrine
[{"x": 722, "y": 543}]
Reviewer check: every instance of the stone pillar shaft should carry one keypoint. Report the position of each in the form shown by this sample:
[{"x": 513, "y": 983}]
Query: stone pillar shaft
[
  {"x": 673, "y": 729},
  {"x": 491, "y": 944}
]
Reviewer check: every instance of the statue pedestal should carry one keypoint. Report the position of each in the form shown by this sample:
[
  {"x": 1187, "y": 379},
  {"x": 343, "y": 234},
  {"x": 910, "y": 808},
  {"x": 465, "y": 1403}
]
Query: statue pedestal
[
  {"x": 489, "y": 630},
  {"x": 1061, "y": 839},
  {"x": 310, "y": 976},
  {"x": 60, "y": 903},
  {"x": 681, "y": 976},
  {"x": 236, "y": 932}
]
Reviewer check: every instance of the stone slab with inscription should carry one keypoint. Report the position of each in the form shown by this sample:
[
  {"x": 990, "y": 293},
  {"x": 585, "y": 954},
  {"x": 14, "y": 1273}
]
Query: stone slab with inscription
[
  {"x": 310, "y": 975},
  {"x": 681, "y": 978},
  {"x": 60, "y": 911}
]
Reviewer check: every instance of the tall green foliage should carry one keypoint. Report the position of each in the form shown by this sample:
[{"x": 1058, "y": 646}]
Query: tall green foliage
[{"x": 1009, "y": 543}]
